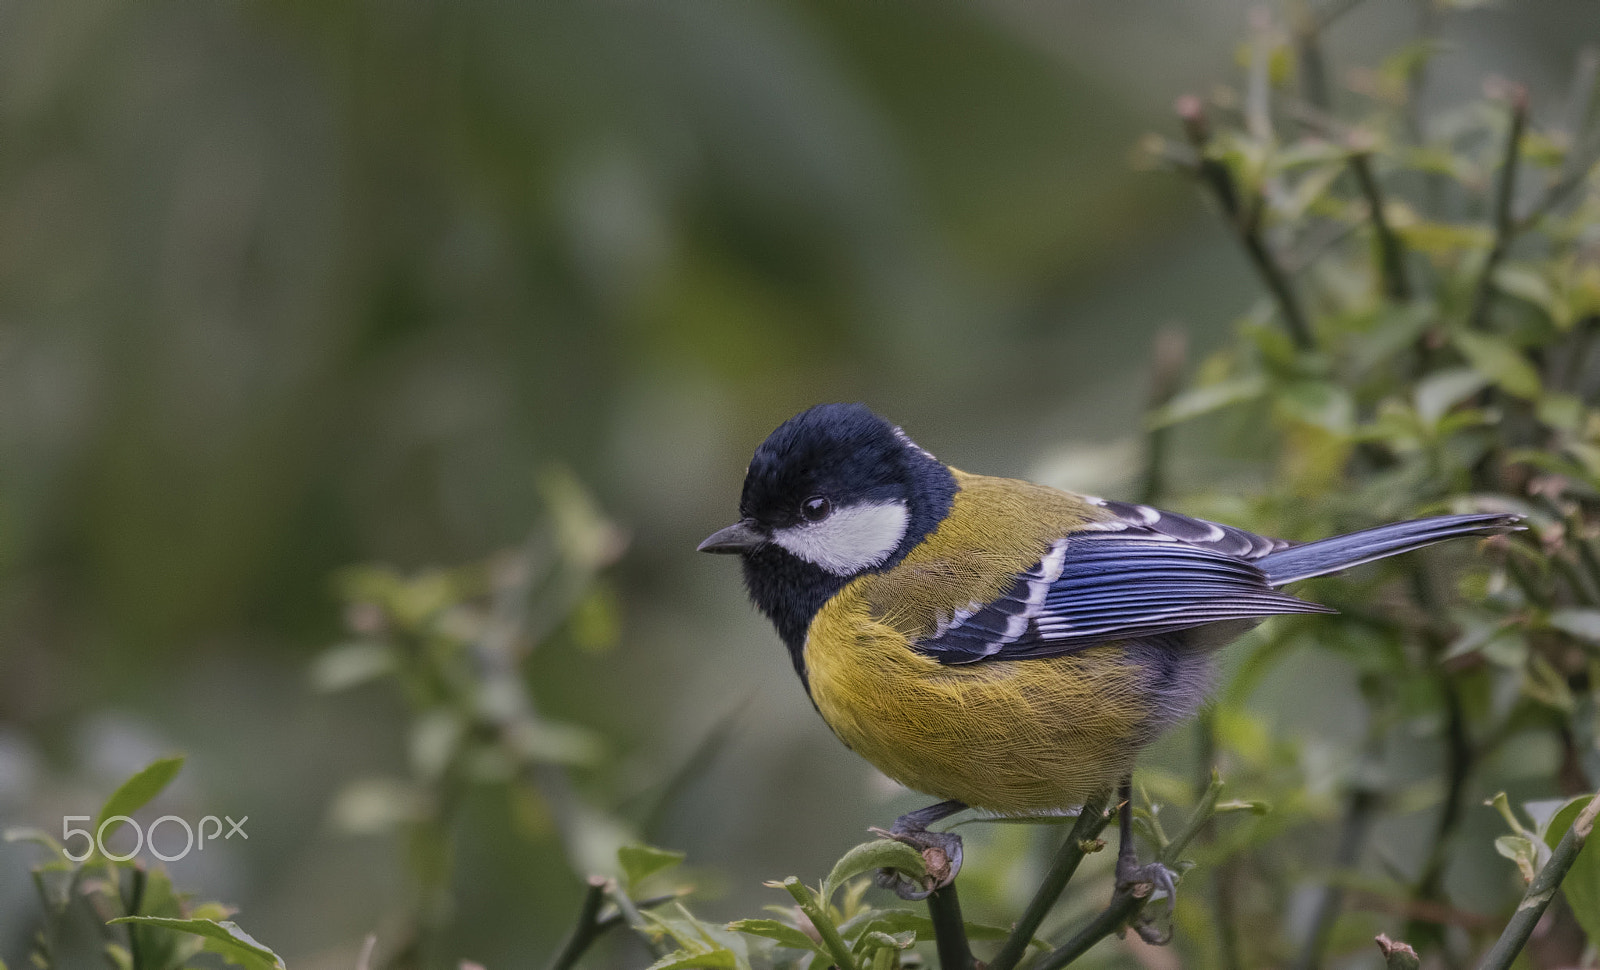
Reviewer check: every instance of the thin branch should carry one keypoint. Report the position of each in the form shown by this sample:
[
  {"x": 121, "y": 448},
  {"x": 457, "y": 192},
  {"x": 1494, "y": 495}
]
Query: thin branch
[
  {"x": 586, "y": 929},
  {"x": 949, "y": 931},
  {"x": 1541, "y": 890},
  {"x": 618, "y": 918},
  {"x": 628, "y": 912},
  {"x": 1127, "y": 902},
  {"x": 1359, "y": 814},
  {"x": 1246, "y": 224},
  {"x": 1166, "y": 378},
  {"x": 1459, "y": 757},
  {"x": 1308, "y": 26},
  {"x": 1324, "y": 17},
  {"x": 1581, "y": 150},
  {"x": 1081, "y": 840},
  {"x": 1504, "y": 224},
  {"x": 1391, "y": 251},
  {"x": 135, "y": 903},
  {"x": 1124, "y": 907},
  {"x": 816, "y": 911},
  {"x": 1580, "y": 93},
  {"x": 1397, "y": 955}
]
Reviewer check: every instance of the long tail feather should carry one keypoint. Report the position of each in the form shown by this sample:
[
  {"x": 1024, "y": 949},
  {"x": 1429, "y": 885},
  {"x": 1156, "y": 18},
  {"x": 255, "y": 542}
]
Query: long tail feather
[{"x": 1341, "y": 552}]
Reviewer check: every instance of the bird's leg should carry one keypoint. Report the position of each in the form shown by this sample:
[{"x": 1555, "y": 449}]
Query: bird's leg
[
  {"x": 941, "y": 851},
  {"x": 1131, "y": 876}
]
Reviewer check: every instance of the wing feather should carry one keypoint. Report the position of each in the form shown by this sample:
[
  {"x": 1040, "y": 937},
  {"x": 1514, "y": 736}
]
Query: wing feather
[{"x": 1113, "y": 584}]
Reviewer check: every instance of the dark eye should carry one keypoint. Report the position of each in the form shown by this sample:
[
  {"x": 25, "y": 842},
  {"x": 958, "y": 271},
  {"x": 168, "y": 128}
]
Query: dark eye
[{"x": 816, "y": 508}]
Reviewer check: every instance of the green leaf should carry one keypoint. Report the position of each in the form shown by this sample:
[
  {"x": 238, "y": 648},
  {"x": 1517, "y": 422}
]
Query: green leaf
[
  {"x": 1321, "y": 404},
  {"x": 878, "y": 940},
  {"x": 1582, "y": 884},
  {"x": 551, "y": 742},
  {"x": 137, "y": 792},
  {"x": 1516, "y": 847},
  {"x": 772, "y": 929},
  {"x": 350, "y": 664},
  {"x": 1199, "y": 401},
  {"x": 718, "y": 959},
  {"x": 158, "y": 948},
  {"x": 225, "y": 939},
  {"x": 869, "y": 856},
  {"x": 54, "y": 882},
  {"x": 1437, "y": 393},
  {"x": 1500, "y": 362},
  {"x": 1253, "y": 806},
  {"x": 640, "y": 862},
  {"x": 1442, "y": 239},
  {"x": 1525, "y": 283},
  {"x": 1562, "y": 411},
  {"x": 1581, "y": 623},
  {"x": 894, "y": 921},
  {"x": 37, "y": 837}
]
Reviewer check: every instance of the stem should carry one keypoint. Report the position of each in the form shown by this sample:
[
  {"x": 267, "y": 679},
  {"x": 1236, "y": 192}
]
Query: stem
[
  {"x": 1504, "y": 224},
  {"x": 586, "y": 929},
  {"x": 1353, "y": 834},
  {"x": 1124, "y": 907},
  {"x": 1081, "y": 840},
  {"x": 1166, "y": 376},
  {"x": 1577, "y": 161},
  {"x": 1359, "y": 814},
  {"x": 629, "y": 913},
  {"x": 1324, "y": 18},
  {"x": 1541, "y": 890},
  {"x": 1458, "y": 768},
  {"x": 1308, "y": 48},
  {"x": 842, "y": 958},
  {"x": 135, "y": 903},
  {"x": 1459, "y": 758},
  {"x": 1391, "y": 252},
  {"x": 1127, "y": 901},
  {"x": 1246, "y": 225},
  {"x": 1224, "y": 874},
  {"x": 618, "y": 918},
  {"x": 1397, "y": 955},
  {"x": 949, "y": 932}
]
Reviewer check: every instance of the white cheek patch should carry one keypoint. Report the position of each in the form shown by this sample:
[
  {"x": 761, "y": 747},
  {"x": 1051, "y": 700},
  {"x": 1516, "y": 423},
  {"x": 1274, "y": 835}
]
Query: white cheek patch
[{"x": 850, "y": 540}]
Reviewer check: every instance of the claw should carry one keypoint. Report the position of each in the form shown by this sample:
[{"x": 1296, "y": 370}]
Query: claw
[
  {"x": 1149, "y": 877},
  {"x": 941, "y": 851},
  {"x": 1144, "y": 881},
  {"x": 941, "y": 855}
]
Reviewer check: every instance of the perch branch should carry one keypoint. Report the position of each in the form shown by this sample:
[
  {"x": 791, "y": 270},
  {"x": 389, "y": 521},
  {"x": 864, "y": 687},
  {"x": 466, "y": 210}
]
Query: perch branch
[
  {"x": 1079, "y": 842},
  {"x": 1246, "y": 224},
  {"x": 1505, "y": 225},
  {"x": 1541, "y": 890},
  {"x": 949, "y": 931}
]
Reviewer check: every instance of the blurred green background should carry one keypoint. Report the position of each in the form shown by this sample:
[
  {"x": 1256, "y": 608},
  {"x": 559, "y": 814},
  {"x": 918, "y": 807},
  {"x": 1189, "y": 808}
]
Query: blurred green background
[{"x": 286, "y": 286}]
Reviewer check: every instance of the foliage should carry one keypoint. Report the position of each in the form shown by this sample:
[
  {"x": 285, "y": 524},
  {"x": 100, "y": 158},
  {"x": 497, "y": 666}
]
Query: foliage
[
  {"x": 121, "y": 911},
  {"x": 1426, "y": 345},
  {"x": 454, "y": 643},
  {"x": 1428, "y": 342}
]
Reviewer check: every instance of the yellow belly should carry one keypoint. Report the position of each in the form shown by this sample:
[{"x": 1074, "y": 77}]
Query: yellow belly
[{"x": 1016, "y": 737}]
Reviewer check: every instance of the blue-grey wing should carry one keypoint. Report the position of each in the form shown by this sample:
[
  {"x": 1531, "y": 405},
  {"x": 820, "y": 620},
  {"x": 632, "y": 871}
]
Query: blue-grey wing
[{"x": 1128, "y": 582}]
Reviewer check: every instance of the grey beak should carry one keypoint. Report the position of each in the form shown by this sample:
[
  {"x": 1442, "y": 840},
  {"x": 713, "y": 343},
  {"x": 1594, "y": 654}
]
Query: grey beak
[{"x": 742, "y": 536}]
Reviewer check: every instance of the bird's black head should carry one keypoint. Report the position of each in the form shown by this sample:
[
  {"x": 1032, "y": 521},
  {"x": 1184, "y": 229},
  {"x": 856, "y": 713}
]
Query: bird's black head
[{"x": 835, "y": 492}]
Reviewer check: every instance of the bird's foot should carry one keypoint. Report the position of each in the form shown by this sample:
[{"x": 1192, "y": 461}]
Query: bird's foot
[
  {"x": 941, "y": 855},
  {"x": 1145, "y": 881}
]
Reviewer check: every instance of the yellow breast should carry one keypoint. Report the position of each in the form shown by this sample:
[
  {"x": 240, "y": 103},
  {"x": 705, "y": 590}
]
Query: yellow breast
[{"x": 1016, "y": 737}]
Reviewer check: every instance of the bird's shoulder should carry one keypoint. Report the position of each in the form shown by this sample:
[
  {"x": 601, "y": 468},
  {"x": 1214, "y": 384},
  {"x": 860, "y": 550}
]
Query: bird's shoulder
[
  {"x": 1022, "y": 570},
  {"x": 996, "y": 528}
]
